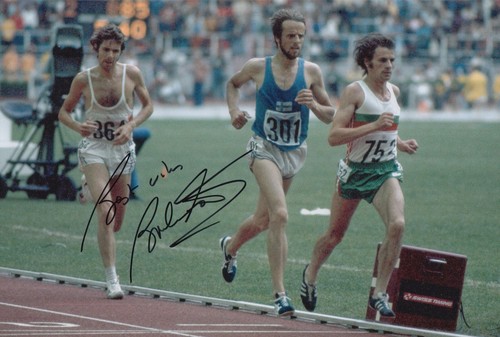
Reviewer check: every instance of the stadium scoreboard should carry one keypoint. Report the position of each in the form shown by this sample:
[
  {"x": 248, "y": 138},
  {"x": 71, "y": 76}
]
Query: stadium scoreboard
[{"x": 132, "y": 16}]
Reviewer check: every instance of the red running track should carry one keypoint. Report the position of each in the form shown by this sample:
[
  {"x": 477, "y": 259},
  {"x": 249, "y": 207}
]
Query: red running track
[{"x": 37, "y": 306}]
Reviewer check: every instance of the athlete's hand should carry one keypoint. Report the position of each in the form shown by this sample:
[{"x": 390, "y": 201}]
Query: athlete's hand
[
  {"x": 239, "y": 119},
  {"x": 88, "y": 127},
  {"x": 123, "y": 134},
  {"x": 385, "y": 120},
  {"x": 409, "y": 146},
  {"x": 306, "y": 97}
]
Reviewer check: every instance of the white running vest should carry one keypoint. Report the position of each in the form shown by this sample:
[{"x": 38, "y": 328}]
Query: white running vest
[
  {"x": 377, "y": 146},
  {"x": 108, "y": 118}
]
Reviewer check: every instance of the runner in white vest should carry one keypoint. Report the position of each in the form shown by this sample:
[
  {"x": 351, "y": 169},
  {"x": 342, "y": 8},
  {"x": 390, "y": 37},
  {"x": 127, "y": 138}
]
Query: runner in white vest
[
  {"x": 367, "y": 122},
  {"x": 107, "y": 152}
]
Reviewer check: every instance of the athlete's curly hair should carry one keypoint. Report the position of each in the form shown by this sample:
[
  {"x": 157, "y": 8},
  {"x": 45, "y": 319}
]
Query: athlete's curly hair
[
  {"x": 365, "y": 48},
  {"x": 108, "y": 32},
  {"x": 283, "y": 15}
]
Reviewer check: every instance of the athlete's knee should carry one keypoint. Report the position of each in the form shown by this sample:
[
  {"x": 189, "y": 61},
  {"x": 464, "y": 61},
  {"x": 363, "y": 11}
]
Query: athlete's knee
[
  {"x": 279, "y": 217},
  {"x": 106, "y": 213},
  {"x": 396, "y": 228},
  {"x": 337, "y": 230},
  {"x": 334, "y": 237}
]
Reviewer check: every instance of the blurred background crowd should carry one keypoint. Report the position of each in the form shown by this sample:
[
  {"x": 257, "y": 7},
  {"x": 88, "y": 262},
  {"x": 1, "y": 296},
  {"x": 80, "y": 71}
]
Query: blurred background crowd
[{"x": 448, "y": 54}]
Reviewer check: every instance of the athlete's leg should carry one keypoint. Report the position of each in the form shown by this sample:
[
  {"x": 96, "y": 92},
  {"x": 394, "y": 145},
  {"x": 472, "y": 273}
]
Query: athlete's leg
[
  {"x": 389, "y": 203},
  {"x": 273, "y": 190},
  {"x": 120, "y": 195},
  {"x": 98, "y": 182},
  {"x": 341, "y": 213},
  {"x": 250, "y": 228}
]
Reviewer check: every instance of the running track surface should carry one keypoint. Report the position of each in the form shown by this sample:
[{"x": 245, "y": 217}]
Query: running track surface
[{"x": 31, "y": 306}]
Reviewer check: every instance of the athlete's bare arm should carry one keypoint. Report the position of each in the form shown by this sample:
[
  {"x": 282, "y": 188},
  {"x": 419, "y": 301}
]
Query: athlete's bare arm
[
  {"x": 78, "y": 87},
  {"x": 252, "y": 70},
  {"x": 350, "y": 100},
  {"x": 316, "y": 98}
]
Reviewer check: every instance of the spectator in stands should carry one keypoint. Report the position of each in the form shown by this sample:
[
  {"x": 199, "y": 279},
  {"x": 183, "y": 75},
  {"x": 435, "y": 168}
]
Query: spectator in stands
[
  {"x": 200, "y": 73},
  {"x": 44, "y": 12},
  {"x": 8, "y": 31},
  {"x": 28, "y": 62},
  {"x": 496, "y": 91},
  {"x": 475, "y": 89},
  {"x": 442, "y": 89},
  {"x": 218, "y": 65},
  {"x": 30, "y": 16},
  {"x": 17, "y": 18},
  {"x": 11, "y": 64}
]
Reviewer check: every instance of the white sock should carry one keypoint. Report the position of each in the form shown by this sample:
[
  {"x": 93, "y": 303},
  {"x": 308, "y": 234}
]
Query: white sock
[
  {"x": 281, "y": 294},
  {"x": 380, "y": 295},
  {"x": 111, "y": 274}
]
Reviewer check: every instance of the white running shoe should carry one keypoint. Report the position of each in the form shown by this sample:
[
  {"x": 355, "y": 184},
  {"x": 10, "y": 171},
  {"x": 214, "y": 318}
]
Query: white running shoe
[
  {"x": 84, "y": 195},
  {"x": 114, "y": 290},
  {"x": 230, "y": 265}
]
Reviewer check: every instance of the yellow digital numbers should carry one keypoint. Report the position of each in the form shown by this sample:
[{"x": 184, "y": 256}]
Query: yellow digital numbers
[{"x": 134, "y": 14}]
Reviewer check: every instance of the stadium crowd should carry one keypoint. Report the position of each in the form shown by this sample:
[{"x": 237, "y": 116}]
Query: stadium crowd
[{"x": 450, "y": 57}]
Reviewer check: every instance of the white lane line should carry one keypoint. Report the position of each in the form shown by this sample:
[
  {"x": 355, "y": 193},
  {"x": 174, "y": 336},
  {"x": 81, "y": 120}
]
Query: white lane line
[{"x": 143, "y": 328}]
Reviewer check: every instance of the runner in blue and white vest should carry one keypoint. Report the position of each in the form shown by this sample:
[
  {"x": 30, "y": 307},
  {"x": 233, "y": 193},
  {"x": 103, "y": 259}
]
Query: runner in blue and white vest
[{"x": 287, "y": 89}]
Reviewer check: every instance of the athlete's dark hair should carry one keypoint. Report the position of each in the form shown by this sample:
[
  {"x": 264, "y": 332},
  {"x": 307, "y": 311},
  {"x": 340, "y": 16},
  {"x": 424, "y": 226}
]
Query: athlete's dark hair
[
  {"x": 283, "y": 15},
  {"x": 108, "y": 32},
  {"x": 365, "y": 48}
]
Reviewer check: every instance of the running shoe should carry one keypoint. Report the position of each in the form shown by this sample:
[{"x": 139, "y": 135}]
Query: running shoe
[
  {"x": 308, "y": 293},
  {"x": 380, "y": 303},
  {"x": 283, "y": 306},
  {"x": 229, "y": 267},
  {"x": 113, "y": 290}
]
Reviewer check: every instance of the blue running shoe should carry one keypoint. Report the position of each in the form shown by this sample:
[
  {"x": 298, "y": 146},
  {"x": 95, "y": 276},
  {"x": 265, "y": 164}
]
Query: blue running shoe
[{"x": 283, "y": 306}]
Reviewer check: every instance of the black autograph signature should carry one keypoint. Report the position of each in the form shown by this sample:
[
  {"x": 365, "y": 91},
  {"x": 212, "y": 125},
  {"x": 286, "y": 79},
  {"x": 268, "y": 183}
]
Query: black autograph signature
[
  {"x": 201, "y": 191},
  {"x": 103, "y": 198}
]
